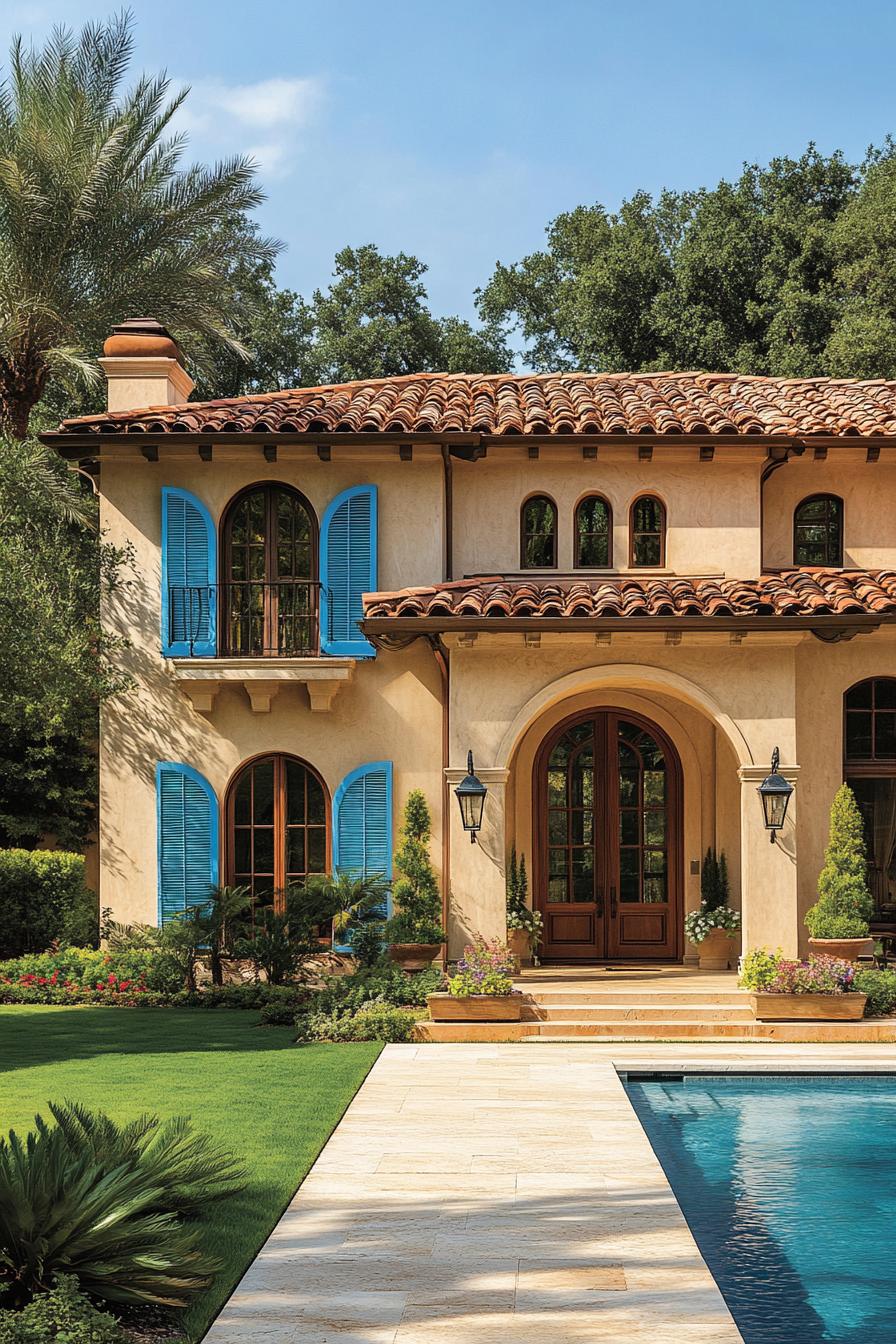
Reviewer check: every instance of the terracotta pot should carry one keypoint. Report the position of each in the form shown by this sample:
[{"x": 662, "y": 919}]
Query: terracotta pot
[
  {"x": 414, "y": 956},
  {"x": 807, "y": 1007},
  {"x": 847, "y": 949},
  {"x": 476, "y": 1008},
  {"x": 520, "y": 947},
  {"x": 716, "y": 950}
]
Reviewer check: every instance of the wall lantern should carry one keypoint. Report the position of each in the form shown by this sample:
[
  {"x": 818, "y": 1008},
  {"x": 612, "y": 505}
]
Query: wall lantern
[
  {"x": 471, "y": 796},
  {"x": 775, "y": 794}
]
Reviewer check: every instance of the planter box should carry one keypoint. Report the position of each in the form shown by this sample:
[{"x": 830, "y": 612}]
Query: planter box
[
  {"x": 808, "y": 1007},
  {"x": 477, "y": 1008}
]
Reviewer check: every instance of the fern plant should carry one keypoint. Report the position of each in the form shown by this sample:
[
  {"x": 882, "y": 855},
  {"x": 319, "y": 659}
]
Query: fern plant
[{"x": 106, "y": 1204}]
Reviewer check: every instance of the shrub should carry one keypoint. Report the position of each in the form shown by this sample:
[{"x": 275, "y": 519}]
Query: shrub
[
  {"x": 714, "y": 881},
  {"x": 485, "y": 968},
  {"x": 61, "y": 1316},
  {"x": 44, "y": 899},
  {"x": 880, "y": 986},
  {"x": 373, "y": 1022},
  {"x": 378, "y": 984},
  {"x": 844, "y": 904},
  {"x": 104, "y": 1203},
  {"x": 416, "y": 892},
  {"x": 519, "y": 916},
  {"x": 758, "y": 968}
]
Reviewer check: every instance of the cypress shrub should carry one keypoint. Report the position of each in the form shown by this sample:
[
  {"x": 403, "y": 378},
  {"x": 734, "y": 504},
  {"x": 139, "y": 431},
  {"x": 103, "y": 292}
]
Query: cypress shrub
[
  {"x": 844, "y": 904},
  {"x": 44, "y": 899}
]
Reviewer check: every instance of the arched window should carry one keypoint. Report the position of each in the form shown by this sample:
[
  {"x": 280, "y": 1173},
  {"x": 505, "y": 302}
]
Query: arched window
[
  {"x": 594, "y": 533},
  {"x": 538, "y": 533},
  {"x": 818, "y": 531},
  {"x": 269, "y": 572},
  {"x": 870, "y": 722},
  {"x": 647, "y": 532},
  {"x": 277, "y": 815},
  {"x": 869, "y": 768}
]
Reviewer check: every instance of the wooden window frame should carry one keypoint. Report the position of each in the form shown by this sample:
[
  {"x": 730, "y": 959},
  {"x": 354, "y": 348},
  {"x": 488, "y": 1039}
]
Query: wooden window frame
[
  {"x": 538, "y": 494},
  {"x": 279, "y": 827},
  {"x": 587, "y": 499},
  {"x": 269, "y": 488},
  {"x": 829, "y": 498},
  {"x": 873, "y": 766},
  {"x": 632, "y": 534}
]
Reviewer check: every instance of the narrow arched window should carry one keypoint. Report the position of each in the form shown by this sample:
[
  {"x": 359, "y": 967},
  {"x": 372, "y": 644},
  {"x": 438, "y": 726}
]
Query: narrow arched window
[
  {"x": 594, "y": 533},
  {"x": 818, "y": 531},
  {"x": 647, "y": 532},
  {"x": 269, "y": 571},
  {"x": 538, "y": 533},
  {"x": 870, "y": 722},
  {"x": 277, "y": 827}
]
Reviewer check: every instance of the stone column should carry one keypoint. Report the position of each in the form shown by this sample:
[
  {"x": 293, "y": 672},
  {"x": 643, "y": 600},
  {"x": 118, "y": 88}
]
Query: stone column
[
  {"x": 768, "y": 870},
  {"x": 477, "y": 896}
]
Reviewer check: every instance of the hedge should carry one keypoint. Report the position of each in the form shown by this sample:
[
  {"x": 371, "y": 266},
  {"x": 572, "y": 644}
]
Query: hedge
[{"x": 44, "y": 899}]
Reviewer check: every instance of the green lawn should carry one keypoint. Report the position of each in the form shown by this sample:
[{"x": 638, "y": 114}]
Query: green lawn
[{"x": 272, "y": 1102}]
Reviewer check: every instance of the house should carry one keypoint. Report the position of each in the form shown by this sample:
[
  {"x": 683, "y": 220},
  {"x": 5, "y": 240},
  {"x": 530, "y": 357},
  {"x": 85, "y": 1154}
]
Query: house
[{"x": 620, "y": 592}]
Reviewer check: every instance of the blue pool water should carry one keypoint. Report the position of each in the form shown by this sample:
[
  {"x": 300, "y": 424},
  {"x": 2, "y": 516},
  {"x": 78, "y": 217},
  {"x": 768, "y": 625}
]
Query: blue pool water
[{"x": 789, "y": 1187}]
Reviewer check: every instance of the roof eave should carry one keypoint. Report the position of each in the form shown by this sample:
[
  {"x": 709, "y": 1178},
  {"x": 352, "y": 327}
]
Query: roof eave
[{"x": 384, "y": 625}]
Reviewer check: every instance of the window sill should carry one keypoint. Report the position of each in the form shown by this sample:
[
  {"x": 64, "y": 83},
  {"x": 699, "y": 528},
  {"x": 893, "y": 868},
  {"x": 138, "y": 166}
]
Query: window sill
[{"x": 262, "y": 679}]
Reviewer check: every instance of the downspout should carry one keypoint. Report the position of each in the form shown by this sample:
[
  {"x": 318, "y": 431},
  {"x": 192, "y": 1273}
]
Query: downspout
[
  {"x": 769, "y": 469},
  {"x": 448, "y": 473},
  {"x": 442, "y": 662}
]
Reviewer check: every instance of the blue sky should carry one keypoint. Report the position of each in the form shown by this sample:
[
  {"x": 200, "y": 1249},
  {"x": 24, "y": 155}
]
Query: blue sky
[{"x": 456, "y": 132}]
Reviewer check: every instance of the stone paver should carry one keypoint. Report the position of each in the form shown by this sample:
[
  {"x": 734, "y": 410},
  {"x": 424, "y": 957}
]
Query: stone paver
[{"x": 480, "y": 1193}]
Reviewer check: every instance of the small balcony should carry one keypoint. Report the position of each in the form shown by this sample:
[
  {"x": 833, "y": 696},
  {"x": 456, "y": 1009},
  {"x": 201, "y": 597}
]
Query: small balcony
[
  {"x": 268, "y": 639},
  {"x": 255, "y": 618}
]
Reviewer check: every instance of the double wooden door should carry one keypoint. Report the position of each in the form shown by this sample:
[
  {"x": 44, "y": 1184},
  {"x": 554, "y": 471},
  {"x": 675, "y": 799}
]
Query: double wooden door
[{"x": 608, "y": 821}]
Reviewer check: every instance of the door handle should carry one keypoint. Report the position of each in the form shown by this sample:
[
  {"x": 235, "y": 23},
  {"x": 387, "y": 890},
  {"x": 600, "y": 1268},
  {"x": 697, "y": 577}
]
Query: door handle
[
  {"x": 612, "y": 902},
  {"x": 600, "y": 902}
]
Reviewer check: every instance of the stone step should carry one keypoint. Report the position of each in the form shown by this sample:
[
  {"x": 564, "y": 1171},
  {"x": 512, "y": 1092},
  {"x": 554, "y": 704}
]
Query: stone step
[
  {"x": 619, "y": 1030},
  {"x": 637, "y": 1012},
  {"x": 642, "y": 994}
]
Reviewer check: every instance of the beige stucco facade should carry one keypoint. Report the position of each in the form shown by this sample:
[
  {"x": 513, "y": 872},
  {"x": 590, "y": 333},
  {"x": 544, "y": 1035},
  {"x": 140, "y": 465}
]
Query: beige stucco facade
[{"x": 724, "y": 701}]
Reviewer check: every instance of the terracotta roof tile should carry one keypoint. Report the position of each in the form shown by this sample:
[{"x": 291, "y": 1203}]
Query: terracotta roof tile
[
  {"x": 555, "y": 403},
  {"x": 804, "y": 592}
]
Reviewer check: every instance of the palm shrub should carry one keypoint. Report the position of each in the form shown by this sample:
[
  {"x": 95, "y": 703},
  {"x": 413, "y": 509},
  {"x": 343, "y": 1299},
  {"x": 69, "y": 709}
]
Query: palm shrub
[
  {"x": 844, "y": 904},
  {"x": 418, "y": 918},
  {"x": 84, "y": 1197},
  {"x": 356, "y": 900}
]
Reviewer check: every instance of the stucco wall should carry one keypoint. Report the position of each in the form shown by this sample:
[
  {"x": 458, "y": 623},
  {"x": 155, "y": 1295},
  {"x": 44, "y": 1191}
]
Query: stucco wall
[{"x": 867, "y": 490}]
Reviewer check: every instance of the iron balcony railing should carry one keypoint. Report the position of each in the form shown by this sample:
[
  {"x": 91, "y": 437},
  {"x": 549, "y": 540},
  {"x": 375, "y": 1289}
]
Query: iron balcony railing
[{"x": 251, "y": 618}]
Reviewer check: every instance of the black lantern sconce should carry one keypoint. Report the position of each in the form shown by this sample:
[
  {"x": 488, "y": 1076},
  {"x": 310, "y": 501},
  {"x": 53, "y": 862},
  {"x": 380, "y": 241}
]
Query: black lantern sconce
[
  {"x": 471, "y": 796},
  {"x": 774, "y": 791}
]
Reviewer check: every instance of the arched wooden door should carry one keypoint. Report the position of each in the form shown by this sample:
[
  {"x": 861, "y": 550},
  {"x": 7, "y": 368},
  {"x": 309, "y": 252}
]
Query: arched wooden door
[{"x": 608, "y": 840}]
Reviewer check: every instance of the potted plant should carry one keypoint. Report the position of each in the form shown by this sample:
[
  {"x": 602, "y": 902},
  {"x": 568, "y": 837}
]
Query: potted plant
[
  {"x": 712, "y": 928},
  {"x": 482, "y": 989},
  {"x": 415, "y": 933},
  {"x": 838, "y": 922},
  {"x": 524, "y": 926},
  {"x": 821, "y": 989}
]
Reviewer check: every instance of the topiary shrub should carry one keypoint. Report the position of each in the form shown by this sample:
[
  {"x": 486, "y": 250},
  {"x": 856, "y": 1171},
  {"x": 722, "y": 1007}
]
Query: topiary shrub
[
  {"x": 44, "y": 899},
  {"x": 61, "y": 1316},
  {"x": 416, "y": 892},
  {"x": 844, "y": 904}
]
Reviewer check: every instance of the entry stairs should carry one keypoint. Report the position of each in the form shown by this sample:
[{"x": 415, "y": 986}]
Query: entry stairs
[{"x": 670, "y": 1005}]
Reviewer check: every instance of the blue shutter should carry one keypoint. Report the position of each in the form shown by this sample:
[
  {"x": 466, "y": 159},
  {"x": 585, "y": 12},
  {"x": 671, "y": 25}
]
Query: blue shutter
[
  {"x": 189, "y": 573},
  {"x": 362, "y": 825},
  {"x": 187, "y": 838},
  {"x": 347, "y": 570}
]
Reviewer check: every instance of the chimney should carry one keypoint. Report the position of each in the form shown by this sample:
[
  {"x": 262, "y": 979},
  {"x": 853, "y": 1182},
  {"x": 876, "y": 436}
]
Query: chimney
[{"x": 143, "y": 367}]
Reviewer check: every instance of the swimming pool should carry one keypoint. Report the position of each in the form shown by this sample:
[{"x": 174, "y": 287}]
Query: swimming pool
[{"x": 789, "y": 1187}]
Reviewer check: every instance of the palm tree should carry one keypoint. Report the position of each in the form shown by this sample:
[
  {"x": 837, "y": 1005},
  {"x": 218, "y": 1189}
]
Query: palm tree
[{"x": 98, "y": 220}]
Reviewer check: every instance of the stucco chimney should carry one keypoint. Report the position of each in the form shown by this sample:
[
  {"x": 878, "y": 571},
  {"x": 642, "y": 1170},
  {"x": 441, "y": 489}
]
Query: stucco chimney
[{"x": 143, "y": 367}]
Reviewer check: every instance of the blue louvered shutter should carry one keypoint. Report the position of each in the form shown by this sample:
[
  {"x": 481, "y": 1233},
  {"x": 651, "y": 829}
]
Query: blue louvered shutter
[
  {"x": 362, "y": 825},
  {"x": 187, "y": 840},
  {"x": 347, "y": 570},
  {"x": 189, "y": 572}
]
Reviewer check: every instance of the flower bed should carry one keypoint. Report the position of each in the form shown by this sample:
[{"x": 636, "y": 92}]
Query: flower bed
[{"x": 783, "y": 989}]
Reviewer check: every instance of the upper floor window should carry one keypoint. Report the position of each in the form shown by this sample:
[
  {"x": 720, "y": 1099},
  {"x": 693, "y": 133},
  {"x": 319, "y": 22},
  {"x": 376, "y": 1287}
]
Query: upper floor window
[
  {"x": 818, "y": 531},
  {"x": 594, "y": 535},
  {"x": 269, "y": 597},
  {"x": 538, "y": 533},
  {"x": 647, "y": 532},
  {"x": 870, "y": 721}
]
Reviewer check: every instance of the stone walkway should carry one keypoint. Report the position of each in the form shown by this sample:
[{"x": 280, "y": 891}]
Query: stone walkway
[{"x": 485, "y": 1193}]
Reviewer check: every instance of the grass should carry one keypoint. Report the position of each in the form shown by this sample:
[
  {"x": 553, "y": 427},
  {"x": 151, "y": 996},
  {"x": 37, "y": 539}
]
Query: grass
[{"x": 270, "y": 1101}]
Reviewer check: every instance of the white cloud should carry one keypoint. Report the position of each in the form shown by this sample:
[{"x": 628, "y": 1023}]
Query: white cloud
[{"x": 223, "y": 119}]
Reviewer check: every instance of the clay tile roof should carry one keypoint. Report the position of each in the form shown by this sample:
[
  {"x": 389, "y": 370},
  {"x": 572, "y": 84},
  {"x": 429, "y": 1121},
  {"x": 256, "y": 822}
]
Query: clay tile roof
[
  {"x": 538, "y": 404},
  {"x": 803, "y": 593}
]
